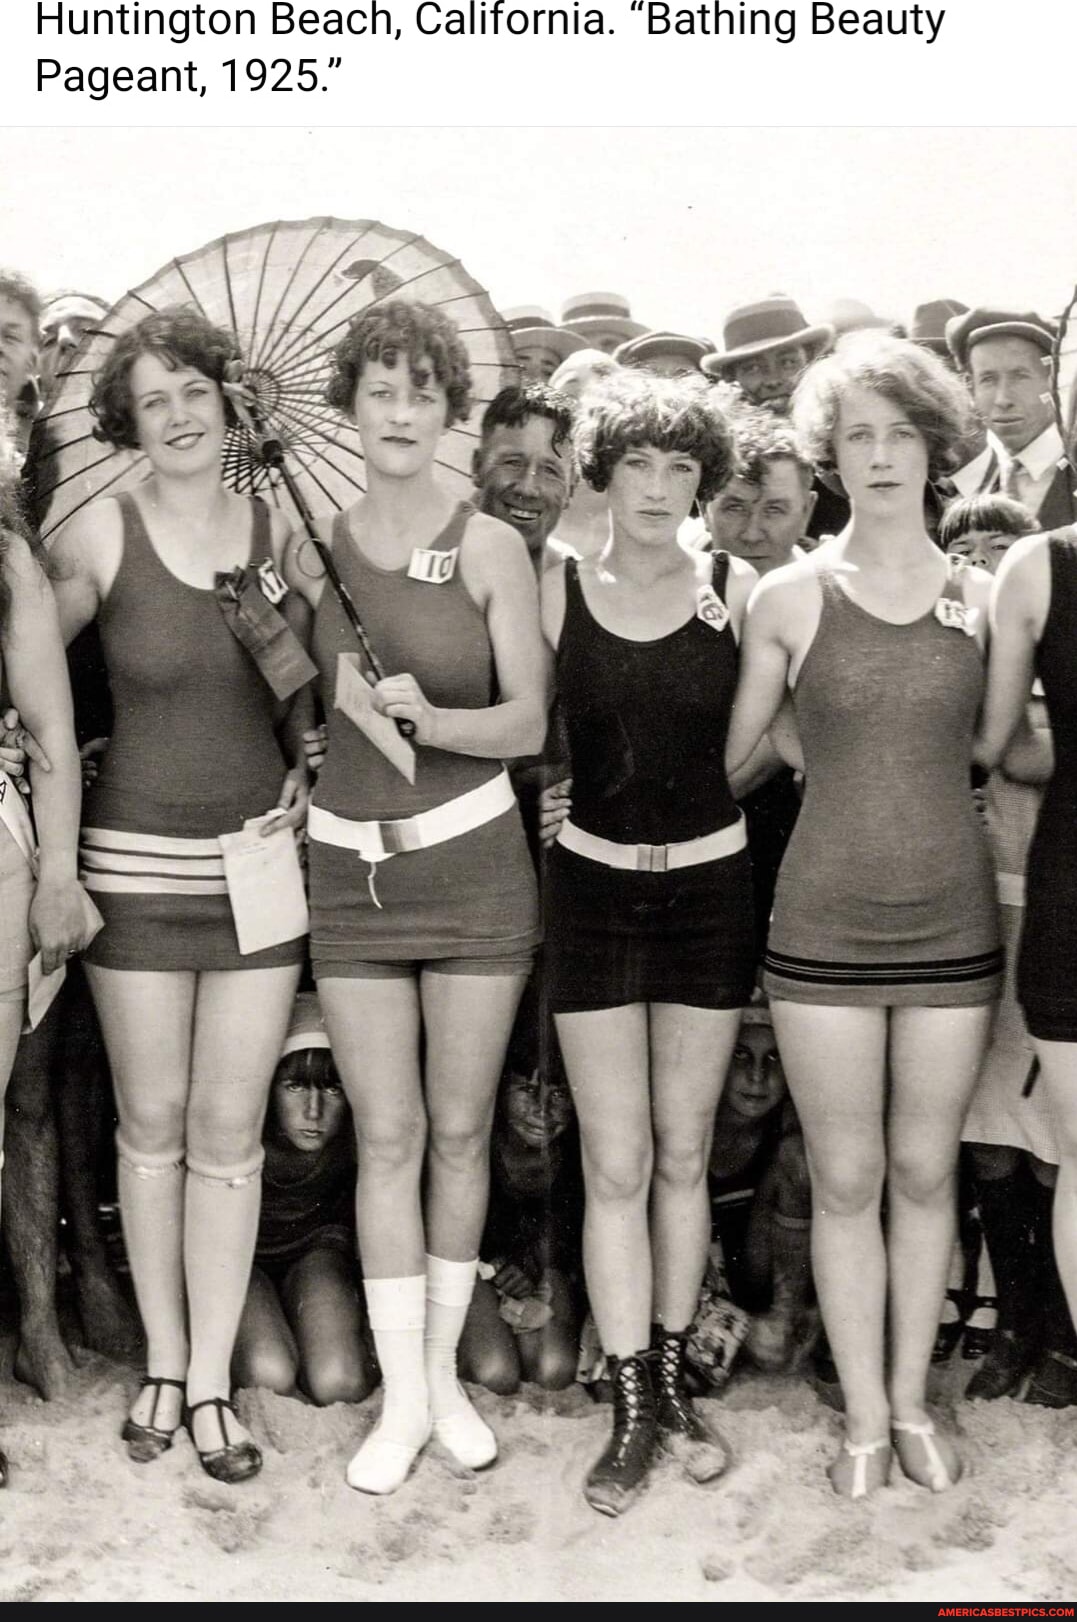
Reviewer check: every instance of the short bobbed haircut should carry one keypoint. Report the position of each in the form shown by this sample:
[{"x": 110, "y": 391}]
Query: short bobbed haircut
[
  {"x": 403, "y": 328},
  {"x": 635, "y": 408},
  {"x": 179, "y": 336},
  {"x": 990, "y": 514},
  {"x": 908, "y": 375}
]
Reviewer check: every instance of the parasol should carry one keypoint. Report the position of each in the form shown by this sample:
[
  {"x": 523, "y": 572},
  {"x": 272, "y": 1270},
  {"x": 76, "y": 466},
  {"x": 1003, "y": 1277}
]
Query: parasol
[{"x": 288, "y": 291}]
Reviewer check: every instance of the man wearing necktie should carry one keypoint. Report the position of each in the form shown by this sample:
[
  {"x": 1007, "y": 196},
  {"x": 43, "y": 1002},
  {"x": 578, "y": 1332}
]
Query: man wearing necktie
[{"x": 1005, "y": 357}]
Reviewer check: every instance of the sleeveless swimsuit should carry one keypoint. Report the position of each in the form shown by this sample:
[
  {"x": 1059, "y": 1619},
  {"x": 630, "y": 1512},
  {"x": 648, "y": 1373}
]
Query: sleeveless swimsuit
[
  {"x": 471, "y": 899},
  {"x": 1047, "y": 962},
  {"x": 887, "y": 892},
  {"x": 646, "y": 724},
  {"x": 193, "y": 754}
]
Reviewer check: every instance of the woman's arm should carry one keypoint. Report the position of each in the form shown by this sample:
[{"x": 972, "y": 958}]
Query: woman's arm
[
  {"x": 83, "y": 562},
  {"x": 61, "y": 921},
  {"x": 498, "y": 574},
  {"x": 764, "y": 670},
  {"x": 1018, "y": 612}
]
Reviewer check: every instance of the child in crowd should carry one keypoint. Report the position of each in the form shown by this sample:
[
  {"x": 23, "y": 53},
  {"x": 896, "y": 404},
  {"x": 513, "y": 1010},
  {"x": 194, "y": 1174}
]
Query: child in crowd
[
  {"x": 524, "y": 1319},
  {"x": 761, "y": 1198},
  {"x": 303, "y": 1323}
]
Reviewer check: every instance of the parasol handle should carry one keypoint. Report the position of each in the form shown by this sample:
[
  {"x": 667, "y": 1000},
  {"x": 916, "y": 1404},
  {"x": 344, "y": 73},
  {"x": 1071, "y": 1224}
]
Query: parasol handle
[{"x": 271, "y": 451}]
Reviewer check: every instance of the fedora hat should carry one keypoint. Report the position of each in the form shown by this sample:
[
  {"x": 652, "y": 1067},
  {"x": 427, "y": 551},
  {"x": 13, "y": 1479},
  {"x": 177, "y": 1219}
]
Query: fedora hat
[
  {"x": 638, "y": 351},
  {"x": 964, "y": 332},
  {"x": 853, "y": 315},
  {"x": 602, "y": 320},
  {"x": 928, "y": 324},
  {"x": 531, "y": 326},
  {"x": 770, "y": 323}
]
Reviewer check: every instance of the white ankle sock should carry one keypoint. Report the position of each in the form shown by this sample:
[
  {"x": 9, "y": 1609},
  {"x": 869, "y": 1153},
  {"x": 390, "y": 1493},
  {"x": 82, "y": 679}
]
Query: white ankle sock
[
  {"x": 456, "y": 1424},
  {"x": 397, "y": 1308}
]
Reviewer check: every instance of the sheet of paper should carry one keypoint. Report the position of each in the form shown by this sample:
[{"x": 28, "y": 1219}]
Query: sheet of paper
[
  {"x": 41, "y": 991},
  {"x": 265, "y": 887},
  {"x": 355, "y": 697}
]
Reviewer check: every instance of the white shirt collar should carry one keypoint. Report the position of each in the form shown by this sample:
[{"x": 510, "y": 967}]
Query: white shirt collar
[{"x": 1039, "y": 455}]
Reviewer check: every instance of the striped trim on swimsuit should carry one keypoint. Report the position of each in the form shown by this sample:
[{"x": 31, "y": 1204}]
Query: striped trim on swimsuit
[
  {"x": 940, "y": 971},
  {"x": 150, "y": 864}
]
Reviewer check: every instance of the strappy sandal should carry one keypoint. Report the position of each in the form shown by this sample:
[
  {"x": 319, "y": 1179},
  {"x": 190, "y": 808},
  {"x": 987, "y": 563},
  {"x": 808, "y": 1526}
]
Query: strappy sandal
[
  {"x": 147, "y": 1442},
  {"x": 232, "y": 1461},
  {"x": 870, "y": 1467},
  {"x": 920, "y": 1458}
]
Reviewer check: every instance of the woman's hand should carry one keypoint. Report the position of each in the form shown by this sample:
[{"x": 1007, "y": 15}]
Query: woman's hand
[
  {"x": 314, "y": 742},
  {"x": 88, "y": 757},
  {"x": 403, "y": 699},
  {"x": 17, "y": 746},
  {"x": 63, "y": 920},
  {"x": 513, "y": 1279},
  {"x": 555, "y": 803},
  {"x": 292, "y": 803}
]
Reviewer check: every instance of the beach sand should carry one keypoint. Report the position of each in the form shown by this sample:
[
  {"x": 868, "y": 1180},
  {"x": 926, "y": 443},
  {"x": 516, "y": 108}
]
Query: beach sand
[{"x": 80, "y": 1522}]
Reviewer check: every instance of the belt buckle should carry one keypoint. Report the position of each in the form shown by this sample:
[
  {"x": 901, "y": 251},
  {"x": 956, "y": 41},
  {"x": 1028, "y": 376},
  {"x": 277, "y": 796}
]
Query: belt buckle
[
  {"x": 400, "y": 837},
  {"x": 652, "y": 858}
]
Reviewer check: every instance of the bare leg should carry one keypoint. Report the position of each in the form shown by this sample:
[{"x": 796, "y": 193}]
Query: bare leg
[
  {"x": 690, "y": 1053},
  {"x": 468, "y": 1022},
  {"x": 374, "y": 1029},
  {"x": 607, "y": 1057},
  {"x": 835, "y": 1062},
  {"x": 935, "y": 1056},
  {"x": 240, "y": 1021},
  {"x": 321, "y": 1297},
  {"x": 32, "y": 1208},
  {"x": 265, "y": 1352},
  {"x": 549, "y": 1355},
  {"x": 487, "y": 1352},
  {"x": 146, "y": 1019}
]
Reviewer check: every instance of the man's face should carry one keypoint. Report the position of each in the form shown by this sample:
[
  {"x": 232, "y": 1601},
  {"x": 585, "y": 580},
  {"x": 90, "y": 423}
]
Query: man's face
[
  {"x": 668, "y": 363},
  {"x": 1008, "y": 380},
  {"x": 770, "y": 378},
  {"x": 18, "y": 348},
  {"x": 524, "y": 481},
  {"x": 762, "y": 522},
  {"x": 63, "y": 324},
  {"x": 538, "y": 363}
]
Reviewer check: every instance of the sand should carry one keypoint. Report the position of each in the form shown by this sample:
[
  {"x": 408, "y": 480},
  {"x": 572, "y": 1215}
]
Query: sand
[{"x": 80, "y": 1522}]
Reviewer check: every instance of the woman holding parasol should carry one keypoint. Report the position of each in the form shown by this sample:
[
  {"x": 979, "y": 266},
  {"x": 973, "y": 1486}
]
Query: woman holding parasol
[
  {"x": 42, "y": 907},
  {"x": 423, "y": 904},
  {"x": 193, "y": 1024}
]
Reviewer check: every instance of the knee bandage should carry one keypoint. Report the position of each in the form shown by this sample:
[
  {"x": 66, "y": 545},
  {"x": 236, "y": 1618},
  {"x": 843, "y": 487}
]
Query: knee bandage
[
  {"x": 143, "y": 1164},
  {"x": 237, "y": 1176}
]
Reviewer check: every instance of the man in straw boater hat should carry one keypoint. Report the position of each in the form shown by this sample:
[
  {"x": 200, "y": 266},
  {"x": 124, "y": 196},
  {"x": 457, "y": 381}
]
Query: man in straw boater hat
[
  {"x": 768, "y": 345},
  {"x": 539, "y": 343},
  {"x": 602, "y": 320},
  {"x": 669, "y": 354},
  {"x": 1005, "y": 356}
]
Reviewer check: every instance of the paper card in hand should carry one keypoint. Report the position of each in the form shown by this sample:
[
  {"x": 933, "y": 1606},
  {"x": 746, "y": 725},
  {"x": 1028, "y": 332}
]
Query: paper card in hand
[
  {"x": 265, "y": 887},
  {"x": 355, "y": 697}
]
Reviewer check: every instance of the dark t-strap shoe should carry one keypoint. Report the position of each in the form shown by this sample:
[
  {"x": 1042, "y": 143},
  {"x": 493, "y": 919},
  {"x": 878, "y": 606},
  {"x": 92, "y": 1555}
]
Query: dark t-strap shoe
[
  {"x": 147, "y": 1442},
  {"x": 232, "y": 1461}
]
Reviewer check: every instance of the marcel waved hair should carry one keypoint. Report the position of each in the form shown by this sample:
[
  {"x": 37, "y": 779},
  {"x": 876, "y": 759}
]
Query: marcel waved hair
[
  {"x": 403, "y": 327},
  {"x": 635, "y": 408},
  {"x": 179, "y": 336},
  {"x": 905, "y": 373}
]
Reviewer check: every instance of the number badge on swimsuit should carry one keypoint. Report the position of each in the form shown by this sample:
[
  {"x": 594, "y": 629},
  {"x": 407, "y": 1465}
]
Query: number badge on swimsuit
[
  {"x": 711, "y": 609},
  {"x": 273, "y": 587},
  {"x": 435, "y": 568},
  {"x": 956, "y": 616}
]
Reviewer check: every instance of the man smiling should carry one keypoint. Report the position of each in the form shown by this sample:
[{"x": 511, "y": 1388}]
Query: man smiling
[{"x": 523, "y": 468}]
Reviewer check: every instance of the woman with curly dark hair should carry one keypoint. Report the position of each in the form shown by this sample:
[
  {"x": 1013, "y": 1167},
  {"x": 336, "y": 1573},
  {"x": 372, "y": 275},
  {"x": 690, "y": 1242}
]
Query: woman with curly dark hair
[
  {"x": 193, "y": 1018},
  {"x": 650, "y": 951},
  {"x": 883, "y": 960},
  {"x": 42, "y": 907},
  {"x": 424, "y": 913}
]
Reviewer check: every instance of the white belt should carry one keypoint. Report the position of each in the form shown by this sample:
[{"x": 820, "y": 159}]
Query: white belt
[
  {"x": 377, "y": 841},
  {"x": 655, "y": 858},
  {"x": 16, "y": 819}
]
